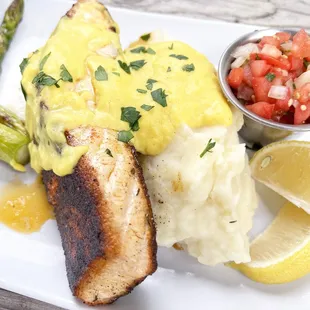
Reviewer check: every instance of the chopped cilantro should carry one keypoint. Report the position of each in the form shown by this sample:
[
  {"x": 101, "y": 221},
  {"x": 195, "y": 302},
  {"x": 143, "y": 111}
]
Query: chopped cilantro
[
  {"x": 147, "y": 107},
  {"x": 208, "y": 148},
  {"x": 270, "y": 76},
  {"x": 140, "y": 49},
  {"x": 188, "y": 68},
  {"x": 137, "y": 64},
  {"x": 131, "y": 116},
  {"x": 306, "y": 63},
  {"x": 23, "y": 65},
  {"x": 124, "y": 66},
  {"x": 116, "y": 73},
  {"x": 124, "y": 136},
  {"x": 149, "y": 84},
  {"x": 146, "y": 37},
  {"x": 107, "y": 151},
  {"x": 169, "y": 69},
  {"x": 232, "y": 222},
  {"x": 257, "y": 57},
  {"x": 101, "y": 74},
  {"x": 180, "y": 57},
  {"x": 65, "y": 75},
  {"x": 171, "y": 47},
  {"x": 159, "y": 96},
  {"x": 42, "y": 79},
  {"x": 141, "y": 91},
  {"x": 150, "y": 51},
  {"x": 43, "y": 61}
]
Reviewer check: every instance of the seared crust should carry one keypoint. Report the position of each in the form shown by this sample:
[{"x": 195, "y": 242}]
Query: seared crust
[{"x": 107, "y": 230}]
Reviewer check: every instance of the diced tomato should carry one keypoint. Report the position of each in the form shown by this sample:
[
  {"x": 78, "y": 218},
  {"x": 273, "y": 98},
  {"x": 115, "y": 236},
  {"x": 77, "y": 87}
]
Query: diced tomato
[
  {"x": 281, "y": 62},
  {"x": 271, "y": 51},
  {"x": 259, "y": 67},
  {"x": 282, "y": 104},
  {"x": 269, "y": 40},
  {"x": 302, "y": 113},
  {"x": 261, "y": 88},
  {"x": 263, "y": 109},
  {"x": 301, "y": 44},
  {"x": 245, "y": 92},
  {"x": 277, "y": 81},
  {"x": 254, "y": 56},
  {"x": 304, "y": 93},
  {"x": 296, "y": 62},
  {"x": 283, "y": 36},
  {"x": 247, "y": 75},
  {"x": 235, "y": 77}
]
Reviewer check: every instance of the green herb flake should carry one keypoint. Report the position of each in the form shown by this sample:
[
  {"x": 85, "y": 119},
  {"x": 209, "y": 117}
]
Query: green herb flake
[
  {"x": 124, "y": 66},
  {"x": 159, "y": 96},
  {"x": 257, "y": 57},
  {"x": 131, "y": 116},
  {"x": 146, "y": 37},
  {"x": 42, "y": 79},
  {"x": 188, "y": 68},
  {"x": 232, "y": 222},
  {"x": 147, "y": 107},
  {"x": 124, "y": 136},
  {"x": 270, "y": 76},
  {"x": 294, "y": 86},
  {"x": 141, "y": 91},
  {"x": 180, "y": 57},
  {"x": 208, "y": 148},
  {"x": 149, "y": 84},
  {"x": 65, "y": 75},
  {"x": 23, "y": 65},
  {"x": 43, "y": 61},
  {"x": 107, "y": 151},
  {"x": 137, "y": 64},
  {"x": 116, "y": 73},
  {"x": 171, "y": 47},
  {"x": 138, "y": 50},
  {"x": 169, "y": 69},
  {"x": 306, "y": 63},
  {"x": 150, "y": 51},
  {"x": 101, "y": 74}
]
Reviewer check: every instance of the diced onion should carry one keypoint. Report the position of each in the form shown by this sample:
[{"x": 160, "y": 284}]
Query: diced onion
[
  {"x": 245, "y": 50},
  {"x": 278, "y": 92},
  {"x": 238, "y": 62},
  {"x": 271, "y": 50},
  {"x": 295, "y": 103},
  {"x": 289, "y": 85},
  {"x": 287, "y": 46},
  {"x": 302, "y": 79}
]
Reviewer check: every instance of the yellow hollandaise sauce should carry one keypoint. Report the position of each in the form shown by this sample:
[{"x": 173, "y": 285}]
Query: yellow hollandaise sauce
[
  {"x": 82, "y": 77},
  {"x": 24, "y": 207}
]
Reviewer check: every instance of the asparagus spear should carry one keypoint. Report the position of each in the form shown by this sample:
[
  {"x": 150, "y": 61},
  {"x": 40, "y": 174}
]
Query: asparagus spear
[
  {"x": 14, "y": 140},
  {"x": 12, "y": 17}
]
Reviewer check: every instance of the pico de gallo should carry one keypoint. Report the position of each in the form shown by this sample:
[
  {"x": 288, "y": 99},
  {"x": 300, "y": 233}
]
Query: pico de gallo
[{"x": 272, "y": 77}]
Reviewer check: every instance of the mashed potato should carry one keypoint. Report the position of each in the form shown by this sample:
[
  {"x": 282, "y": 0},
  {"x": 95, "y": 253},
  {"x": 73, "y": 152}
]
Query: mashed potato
[{"x": 204, "y": 204}]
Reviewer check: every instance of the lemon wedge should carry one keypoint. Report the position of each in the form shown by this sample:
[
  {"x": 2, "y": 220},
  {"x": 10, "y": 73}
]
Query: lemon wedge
[
  {"x": 285, "y": 167},
  {"x": 282, "y": 253}
]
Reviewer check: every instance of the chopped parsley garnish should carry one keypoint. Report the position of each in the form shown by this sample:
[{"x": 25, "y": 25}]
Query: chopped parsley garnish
[
  {"x": 142, "y": 49},
  {"x": 169, "y": 69},
  {"x": 294, "y": 85},
  {"x": 43, "y": 61},
  {"x": 124, "y": 136},
  {"x": 65, "y": 75},
  {"x": 124, "y": 66},
  {"x": 137, "y": 64},
  {"x": 306, "y": 63},
  {"x": 147, "y": 107},
  {"x": 131, "y": 116},
  {"x": 188, "y": 68},
  {"x": 270, "y": 76},
  {"x": 42, "y": 79},
  {"x": 150, "y": 51},
  {"x": 116, "y": 73},
  {"x": 171, "y": 47},
  {"x": 149, "y": 84},
  {"x": 141, "y": 91},
  {"x": 257, "y": 57},
  {"x": 208, "y": 148},
  {"x": 146, "y": 37},
  {"x": 23, "y": 65},
  {"x": 107, "y": 151},
  {"x": 231, "y": 222},
  {"x": 101, "y": 74},
  {"x": 159, "y": 96},
  {"x": 180, "y": 57}
]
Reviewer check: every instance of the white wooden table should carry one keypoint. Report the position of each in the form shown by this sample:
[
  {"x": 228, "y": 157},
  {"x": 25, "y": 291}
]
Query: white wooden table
[{"x": 284, "y": 13}]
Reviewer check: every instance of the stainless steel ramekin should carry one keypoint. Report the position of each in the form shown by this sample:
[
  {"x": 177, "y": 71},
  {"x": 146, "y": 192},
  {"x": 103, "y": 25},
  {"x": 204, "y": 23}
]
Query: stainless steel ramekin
[{"x": 255, "y": 129}]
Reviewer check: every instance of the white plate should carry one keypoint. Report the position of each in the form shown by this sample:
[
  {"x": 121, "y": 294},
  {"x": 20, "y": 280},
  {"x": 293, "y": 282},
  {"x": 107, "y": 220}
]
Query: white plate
[{"x": 33, "y": 265}]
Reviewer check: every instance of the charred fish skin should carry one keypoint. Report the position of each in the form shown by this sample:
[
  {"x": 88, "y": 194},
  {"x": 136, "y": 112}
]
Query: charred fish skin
[{"x": 104, "y": 216}]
